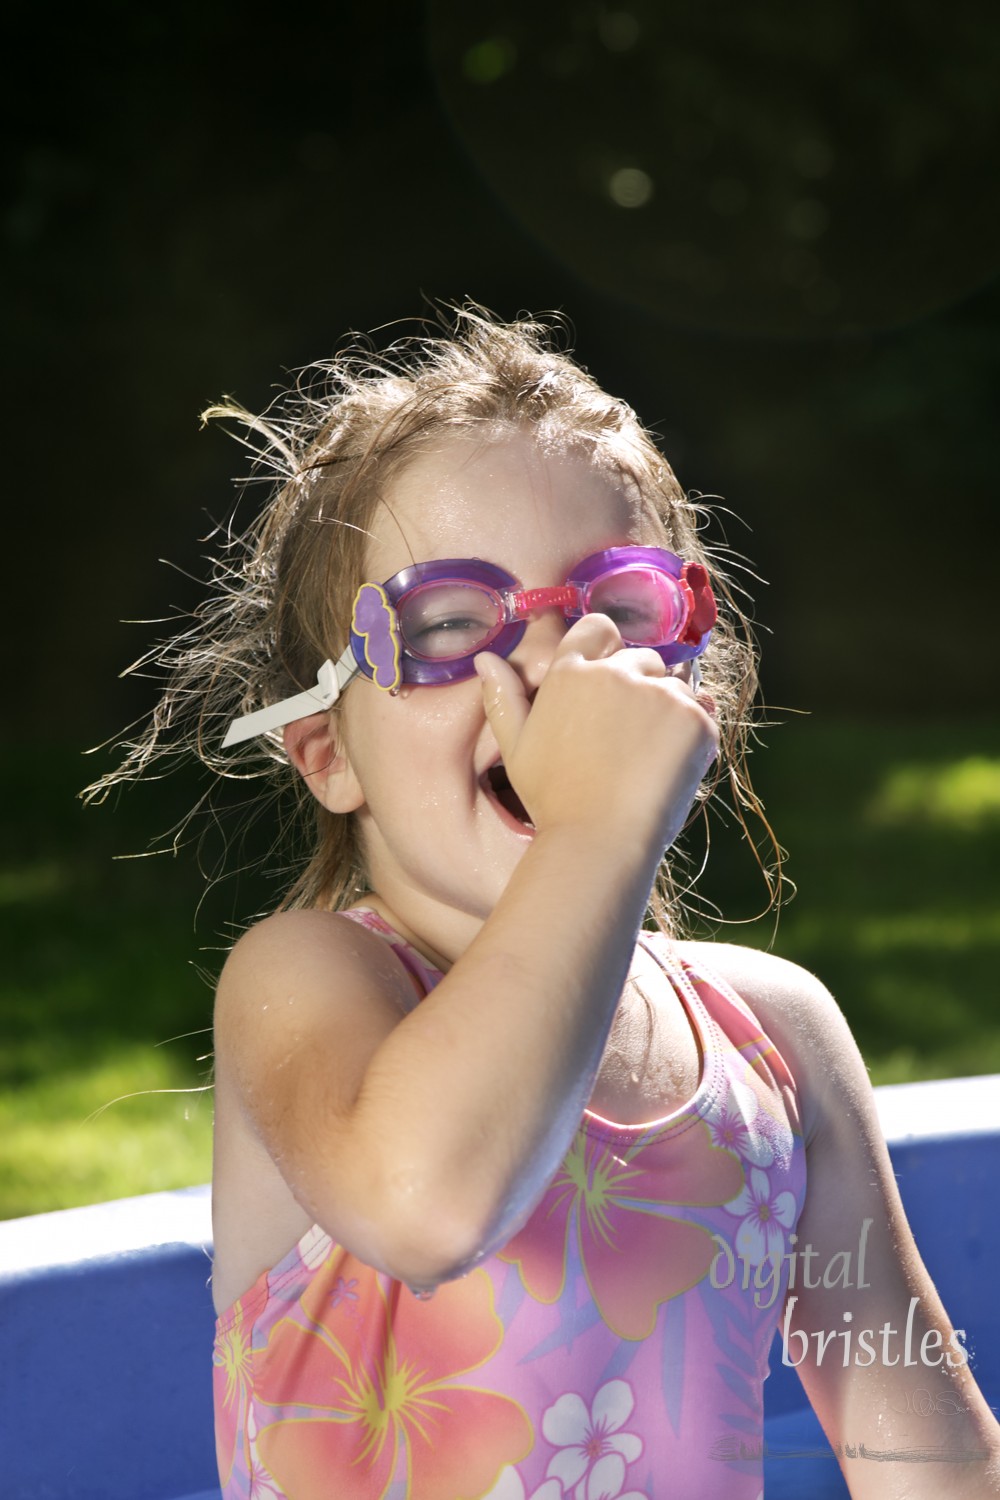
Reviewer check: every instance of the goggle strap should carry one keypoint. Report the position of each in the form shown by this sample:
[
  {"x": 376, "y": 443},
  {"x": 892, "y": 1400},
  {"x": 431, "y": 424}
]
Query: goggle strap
[{"x": 331, "y": 680}]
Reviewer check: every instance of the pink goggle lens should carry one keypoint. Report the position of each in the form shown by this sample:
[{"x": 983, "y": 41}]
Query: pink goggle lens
[{"x": 648, "y": 606}]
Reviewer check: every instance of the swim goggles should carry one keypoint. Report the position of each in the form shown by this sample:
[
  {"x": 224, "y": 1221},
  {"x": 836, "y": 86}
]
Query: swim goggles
[{"x": 426, "y": 624}]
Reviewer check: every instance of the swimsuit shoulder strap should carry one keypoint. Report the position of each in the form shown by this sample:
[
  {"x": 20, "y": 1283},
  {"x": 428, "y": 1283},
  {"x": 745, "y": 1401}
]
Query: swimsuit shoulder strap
[{"x": 424, "y": 975}]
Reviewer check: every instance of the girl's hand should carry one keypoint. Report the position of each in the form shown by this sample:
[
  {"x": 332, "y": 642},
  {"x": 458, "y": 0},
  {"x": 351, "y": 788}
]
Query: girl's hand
[{"x": 610, "y": 739}]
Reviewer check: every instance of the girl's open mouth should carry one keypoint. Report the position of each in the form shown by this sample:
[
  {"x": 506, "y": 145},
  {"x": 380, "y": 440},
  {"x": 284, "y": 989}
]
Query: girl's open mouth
[{"x": 498, "y": 788}]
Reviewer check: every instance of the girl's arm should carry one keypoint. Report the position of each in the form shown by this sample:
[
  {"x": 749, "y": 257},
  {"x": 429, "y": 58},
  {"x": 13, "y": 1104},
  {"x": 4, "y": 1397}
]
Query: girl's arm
[
  {"x": 900, "y": 1383},
  {"x": 422, "y": 1142}
]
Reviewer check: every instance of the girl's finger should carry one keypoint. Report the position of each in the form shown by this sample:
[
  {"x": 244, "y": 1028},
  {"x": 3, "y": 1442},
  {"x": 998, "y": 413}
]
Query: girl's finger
[
  {"x": 504, "y": 699},
  {"x": 648, "y": 663},
  {"x": 592, "y": 637}
]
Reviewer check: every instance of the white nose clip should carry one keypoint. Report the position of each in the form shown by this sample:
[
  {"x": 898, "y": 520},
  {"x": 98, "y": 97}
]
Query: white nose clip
[{"x": 331, "y": 680}]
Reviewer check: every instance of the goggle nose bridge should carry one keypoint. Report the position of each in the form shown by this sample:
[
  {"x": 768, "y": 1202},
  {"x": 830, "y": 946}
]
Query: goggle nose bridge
[{"x": 520, "y": 603}]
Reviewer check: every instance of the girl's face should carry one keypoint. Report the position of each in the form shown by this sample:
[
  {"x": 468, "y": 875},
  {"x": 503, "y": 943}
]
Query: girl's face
[{"x": 440, "y": 847}]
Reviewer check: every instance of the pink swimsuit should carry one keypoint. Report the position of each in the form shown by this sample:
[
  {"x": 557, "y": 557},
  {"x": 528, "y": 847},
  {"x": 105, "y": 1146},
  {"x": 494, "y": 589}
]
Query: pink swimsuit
[{"x": 615, "y": 1348}]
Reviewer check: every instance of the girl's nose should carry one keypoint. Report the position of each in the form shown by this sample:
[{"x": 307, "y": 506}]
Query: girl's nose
[{"x": 534, "y": 652}]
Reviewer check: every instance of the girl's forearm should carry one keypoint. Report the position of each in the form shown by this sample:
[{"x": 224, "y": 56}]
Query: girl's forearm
[{"x": 468, "y": 1107}]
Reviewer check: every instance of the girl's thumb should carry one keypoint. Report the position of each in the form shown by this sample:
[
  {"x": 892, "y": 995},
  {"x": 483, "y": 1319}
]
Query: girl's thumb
[{"x": 504, "y": 699}]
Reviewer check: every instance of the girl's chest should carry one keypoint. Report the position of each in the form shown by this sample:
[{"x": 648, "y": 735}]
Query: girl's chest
[{"x": 653, "y": 1059}]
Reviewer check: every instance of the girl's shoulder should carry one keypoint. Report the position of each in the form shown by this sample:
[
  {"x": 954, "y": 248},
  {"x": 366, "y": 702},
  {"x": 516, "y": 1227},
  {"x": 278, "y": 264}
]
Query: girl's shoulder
[
  {"x": 312, "y": 957},
  {"x": 760, "y": 978},
  {"x": 794, "y": 1008},
  {"x": 274, "y": 938}
]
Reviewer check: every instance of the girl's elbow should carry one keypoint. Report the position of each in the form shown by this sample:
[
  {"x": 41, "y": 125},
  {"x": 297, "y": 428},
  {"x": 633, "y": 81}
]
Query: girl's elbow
[
  {"x": 432, "y": 1235},
  {"x": 424, "y": 1266},
  {"x": 421, "y": 1232}
]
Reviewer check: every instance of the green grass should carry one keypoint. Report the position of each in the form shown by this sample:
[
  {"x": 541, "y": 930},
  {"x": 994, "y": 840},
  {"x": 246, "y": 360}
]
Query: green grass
[
  {"x": 105, "y": 1000},
  {"x": 894, "y": 840},
  {"x": 894, "y": 833}
]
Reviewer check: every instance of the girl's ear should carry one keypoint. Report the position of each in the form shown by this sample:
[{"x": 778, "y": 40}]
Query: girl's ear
[{"x": 315, "y": 750}]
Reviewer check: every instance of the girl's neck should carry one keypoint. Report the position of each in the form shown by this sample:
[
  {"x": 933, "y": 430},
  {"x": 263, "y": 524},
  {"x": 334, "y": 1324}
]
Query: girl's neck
[{"x": 375, "y": 903}]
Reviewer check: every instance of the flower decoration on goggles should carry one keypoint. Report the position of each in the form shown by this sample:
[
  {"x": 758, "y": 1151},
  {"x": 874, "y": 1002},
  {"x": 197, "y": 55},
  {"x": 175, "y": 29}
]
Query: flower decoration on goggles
[{"x": 426, "y": 624}]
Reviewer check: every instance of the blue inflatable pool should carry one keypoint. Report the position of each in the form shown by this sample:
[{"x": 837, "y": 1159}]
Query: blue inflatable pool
[{"x": 105, "y": 1390}]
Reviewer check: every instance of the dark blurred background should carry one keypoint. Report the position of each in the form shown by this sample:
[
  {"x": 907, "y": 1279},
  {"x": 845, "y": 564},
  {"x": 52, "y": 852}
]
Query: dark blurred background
[{"x": 775, "y": 230}]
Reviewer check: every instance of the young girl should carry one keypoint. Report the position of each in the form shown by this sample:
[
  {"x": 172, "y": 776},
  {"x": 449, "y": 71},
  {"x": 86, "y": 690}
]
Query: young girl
[{"x": 510, "y": 1193}]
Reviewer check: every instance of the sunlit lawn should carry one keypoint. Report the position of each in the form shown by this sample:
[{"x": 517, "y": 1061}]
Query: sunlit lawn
[
  {"x": 894, "y": 836},
  {"x": 103, "y": 1002},
  {"x": 894, "y": 840}
]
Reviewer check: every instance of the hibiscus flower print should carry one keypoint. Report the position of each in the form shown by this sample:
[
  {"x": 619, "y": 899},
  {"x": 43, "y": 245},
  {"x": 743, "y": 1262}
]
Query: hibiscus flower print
[
  {"x": 593, "y": 1452},
  {"x": 231, "y": 1378},
  {"x": 261, "y": 1487},
  {"x": 510, "y": 1486},
  {"x": 634, "y": 1256},
  {"x": 765, "y": 1216},
  {"x": 393, "y": 1408},
  {"x": 739, "y": 1126}
]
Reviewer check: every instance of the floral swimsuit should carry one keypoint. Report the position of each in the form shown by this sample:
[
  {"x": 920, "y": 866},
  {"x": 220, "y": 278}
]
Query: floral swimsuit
[{"x": 615, "y": 1348}]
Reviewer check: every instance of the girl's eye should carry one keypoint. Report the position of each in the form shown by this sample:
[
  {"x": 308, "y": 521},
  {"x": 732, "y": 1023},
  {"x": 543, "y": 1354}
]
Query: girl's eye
[
  {"x": 447, "y": 620},
  {"x": 449, "y": 625},
  {"x": 646, "y": 606},
  {"x": 626, "y": 613},
  {"x": 636, "y": 624}
]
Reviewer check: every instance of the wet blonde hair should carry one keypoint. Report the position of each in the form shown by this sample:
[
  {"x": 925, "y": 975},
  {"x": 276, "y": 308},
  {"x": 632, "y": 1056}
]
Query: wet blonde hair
[{"x": 282, "y": 590}]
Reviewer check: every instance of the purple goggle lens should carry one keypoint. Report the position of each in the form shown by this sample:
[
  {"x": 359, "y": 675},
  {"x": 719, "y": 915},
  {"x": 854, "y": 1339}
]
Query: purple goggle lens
[{"x": 427, "y": 623}]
